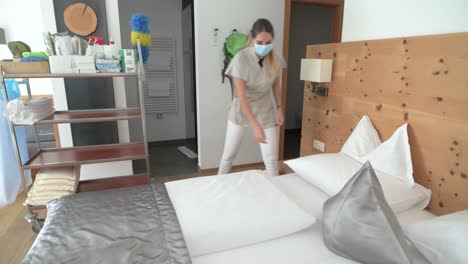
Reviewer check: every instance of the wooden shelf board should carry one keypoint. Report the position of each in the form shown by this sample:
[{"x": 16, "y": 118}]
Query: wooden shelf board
[
  {"x": 67, "y": 75},
  {"x": 91, "y": 116},
  {"x": 112, "y": 183},
  {"x": 61, "y": 157}
]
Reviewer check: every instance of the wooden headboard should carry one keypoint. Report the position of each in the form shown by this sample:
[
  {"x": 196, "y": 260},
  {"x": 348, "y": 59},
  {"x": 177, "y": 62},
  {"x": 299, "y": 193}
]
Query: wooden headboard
[{"x": 419, "y": 80}]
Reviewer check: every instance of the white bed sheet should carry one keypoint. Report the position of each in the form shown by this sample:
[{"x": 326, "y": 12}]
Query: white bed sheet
[
  {"x": 303, "y": 247},
  {"x": 304, "y": 194}
]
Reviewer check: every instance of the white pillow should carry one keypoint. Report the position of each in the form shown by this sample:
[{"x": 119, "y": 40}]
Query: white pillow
[
  {"x": 442, "y": 239},
  {"x": 393, "y": 157},
  {"x": 363, "y": 140},
  {"x": 223, "y": 212},
  {"x": 331, "y": 171}
]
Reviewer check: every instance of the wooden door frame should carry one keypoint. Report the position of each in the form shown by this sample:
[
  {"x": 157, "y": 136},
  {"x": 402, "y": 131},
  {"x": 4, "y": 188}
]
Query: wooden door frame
[{"x": 337, "y": 25}]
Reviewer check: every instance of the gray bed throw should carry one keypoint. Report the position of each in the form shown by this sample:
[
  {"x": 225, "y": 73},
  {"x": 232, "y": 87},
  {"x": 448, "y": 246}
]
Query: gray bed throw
[{"x": 129, "y": 225}]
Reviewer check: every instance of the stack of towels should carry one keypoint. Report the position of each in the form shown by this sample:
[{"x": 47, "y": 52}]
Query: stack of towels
[
  {"x": 53, "y": 183},
  {"x": 34, "y": 57},
  {"x": 108, "y": 65},
  {"x": 29, "y": 112}
]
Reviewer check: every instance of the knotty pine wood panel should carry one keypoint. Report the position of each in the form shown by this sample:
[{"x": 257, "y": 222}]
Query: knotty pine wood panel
[{"x": 419, "y": 80}]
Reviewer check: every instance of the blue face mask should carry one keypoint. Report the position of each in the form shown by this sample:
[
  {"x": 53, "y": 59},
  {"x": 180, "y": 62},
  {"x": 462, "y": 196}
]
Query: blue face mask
[{"x": 263, "y": 50}]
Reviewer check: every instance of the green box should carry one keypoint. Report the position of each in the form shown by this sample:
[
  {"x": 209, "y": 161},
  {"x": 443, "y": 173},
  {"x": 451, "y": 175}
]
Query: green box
[{"x": 128, "y": 60}]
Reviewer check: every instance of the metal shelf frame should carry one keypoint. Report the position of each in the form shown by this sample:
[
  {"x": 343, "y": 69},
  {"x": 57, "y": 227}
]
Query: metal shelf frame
[{"x": 82, "y": 116}]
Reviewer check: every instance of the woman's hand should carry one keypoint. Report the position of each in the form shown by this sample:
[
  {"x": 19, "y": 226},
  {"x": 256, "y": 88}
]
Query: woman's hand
[
  {"x": 280, "y": 117},
  {"x": 259, "y": 134}
]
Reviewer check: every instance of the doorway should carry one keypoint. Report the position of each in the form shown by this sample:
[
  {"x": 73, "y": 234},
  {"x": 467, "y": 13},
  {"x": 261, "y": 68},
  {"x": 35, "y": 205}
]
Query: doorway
[
  {"x": 169, "y": 90},
  {"x": 178, "y": 157},
  {"x": 307, "y": 22}
]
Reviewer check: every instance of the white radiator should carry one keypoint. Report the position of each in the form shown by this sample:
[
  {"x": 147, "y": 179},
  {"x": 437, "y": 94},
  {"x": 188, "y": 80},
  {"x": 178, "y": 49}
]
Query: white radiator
[{"x": 161, "y": 72}]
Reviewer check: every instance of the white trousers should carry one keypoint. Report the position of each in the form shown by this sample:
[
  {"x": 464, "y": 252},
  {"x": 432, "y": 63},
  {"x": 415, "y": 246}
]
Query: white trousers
[{"x": 232, "y": 143}]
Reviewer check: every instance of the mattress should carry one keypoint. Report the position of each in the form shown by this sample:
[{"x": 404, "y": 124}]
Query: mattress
[{"x": 303, "y": 247}]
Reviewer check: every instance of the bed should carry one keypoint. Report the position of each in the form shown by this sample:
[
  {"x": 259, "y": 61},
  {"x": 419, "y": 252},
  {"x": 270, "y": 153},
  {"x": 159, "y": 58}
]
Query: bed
[
  {"x": 62, "y": 235},
  {"x": 335, "y": 208},
  {"x": 247, "y": 217}
]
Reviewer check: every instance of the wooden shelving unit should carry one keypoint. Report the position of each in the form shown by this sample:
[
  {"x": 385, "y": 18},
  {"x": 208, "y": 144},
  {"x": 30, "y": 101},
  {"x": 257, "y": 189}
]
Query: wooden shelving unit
[
  {"x": 49, "y": 158},
  {"x": 89, "y": 116},
  {"x": 66, "y": 75},
  {"x": 76, "y": 156}
]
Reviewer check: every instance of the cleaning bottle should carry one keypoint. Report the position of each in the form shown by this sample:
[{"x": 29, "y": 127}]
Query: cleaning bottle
[{"x": 113, "y": 50}]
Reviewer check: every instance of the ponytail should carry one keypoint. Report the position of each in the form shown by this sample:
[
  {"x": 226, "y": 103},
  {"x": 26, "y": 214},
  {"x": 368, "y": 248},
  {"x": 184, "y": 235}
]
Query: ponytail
[{"x": 272, "y": 63}]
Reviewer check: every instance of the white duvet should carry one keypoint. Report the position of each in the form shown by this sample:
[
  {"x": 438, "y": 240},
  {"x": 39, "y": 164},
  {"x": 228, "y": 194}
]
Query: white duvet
[{"x": 218, "y": 213}]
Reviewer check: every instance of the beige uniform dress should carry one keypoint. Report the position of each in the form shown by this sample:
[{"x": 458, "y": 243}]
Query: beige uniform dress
[{"x": 259, "y": 88}]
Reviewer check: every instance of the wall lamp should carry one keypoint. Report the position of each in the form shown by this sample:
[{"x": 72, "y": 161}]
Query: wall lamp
[{"x": 317, "y": 71}]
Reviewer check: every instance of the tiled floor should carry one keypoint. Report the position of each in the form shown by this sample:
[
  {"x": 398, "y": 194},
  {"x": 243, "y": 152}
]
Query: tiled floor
[{"x": 167, "y": 160}]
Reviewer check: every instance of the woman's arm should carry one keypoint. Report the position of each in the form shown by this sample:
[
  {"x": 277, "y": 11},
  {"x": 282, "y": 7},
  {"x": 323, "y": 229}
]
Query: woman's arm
[
  {"x": 277, "y": 92},
  {"x": 239, "y": 86}
]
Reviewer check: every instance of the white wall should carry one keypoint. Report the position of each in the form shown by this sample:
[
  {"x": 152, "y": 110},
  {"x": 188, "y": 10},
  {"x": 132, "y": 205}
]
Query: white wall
[
  {"x": 28, "y": 27},
  {"x": 165, "y": 21},
  {"x": 24, "y": 24},
  {"x": 213, "y": 98},
  {"x": 310, "y": 24},
  {"x": 20, "y": 23},
  {"x": 113, "y": 29},
  {"x": 370, "y": 19}
]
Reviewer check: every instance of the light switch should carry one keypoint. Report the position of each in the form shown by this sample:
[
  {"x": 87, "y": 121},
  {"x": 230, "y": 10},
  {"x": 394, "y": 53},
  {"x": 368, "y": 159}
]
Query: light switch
[
  {"x": 318, "y": 145},
  {"x": 215, "y": 37}
]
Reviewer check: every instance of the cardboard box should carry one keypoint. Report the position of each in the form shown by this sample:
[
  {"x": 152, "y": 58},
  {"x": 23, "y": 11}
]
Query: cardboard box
[
  {"x": 83, "y": 59},
  {"x": 25, "y": 67},
  {"x": 61, "y": 64},
  {"x": 72, "y": 64}
]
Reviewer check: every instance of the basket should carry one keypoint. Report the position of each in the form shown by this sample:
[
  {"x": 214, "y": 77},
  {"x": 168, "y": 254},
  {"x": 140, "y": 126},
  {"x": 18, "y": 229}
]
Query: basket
[{"x": 25, "y": 67}]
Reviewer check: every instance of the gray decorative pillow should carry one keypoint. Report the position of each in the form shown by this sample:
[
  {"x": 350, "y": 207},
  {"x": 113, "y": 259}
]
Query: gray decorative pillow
[{"x": 358, "y": 224}]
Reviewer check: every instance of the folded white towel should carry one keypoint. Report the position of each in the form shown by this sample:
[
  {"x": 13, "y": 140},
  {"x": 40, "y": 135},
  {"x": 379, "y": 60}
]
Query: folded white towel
[
  {"x": 64, "y": 182},
  {"x": 65, "y": 173},
  {"x": 15, "y": 110},
  {"x": 27, "y": 113},
  {"x": 30, "y": 118},
  {"x": 40, "y": 101}
]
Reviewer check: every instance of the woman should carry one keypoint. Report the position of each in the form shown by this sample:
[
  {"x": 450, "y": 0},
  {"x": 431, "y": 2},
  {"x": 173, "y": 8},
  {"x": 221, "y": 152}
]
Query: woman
[{"x": 255, "y": 73}]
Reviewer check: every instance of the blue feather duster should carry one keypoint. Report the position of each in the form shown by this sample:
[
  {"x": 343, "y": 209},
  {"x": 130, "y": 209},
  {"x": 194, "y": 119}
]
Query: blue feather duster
[{"x": 140, "y": 30}]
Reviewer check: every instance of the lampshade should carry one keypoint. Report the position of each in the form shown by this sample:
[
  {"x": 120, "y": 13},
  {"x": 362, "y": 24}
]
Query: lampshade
[
  {"x": 2, "y": 36},
  {"x": 316, "y": 70}
]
